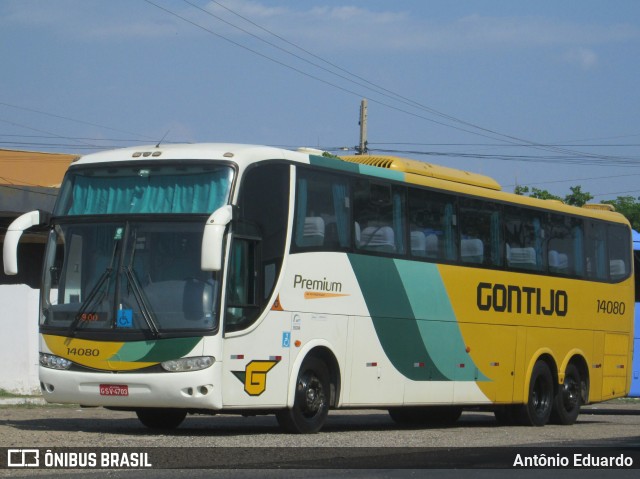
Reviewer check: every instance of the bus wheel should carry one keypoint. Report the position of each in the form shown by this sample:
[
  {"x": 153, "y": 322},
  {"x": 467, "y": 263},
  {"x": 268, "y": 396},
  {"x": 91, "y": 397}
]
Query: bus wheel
[
  {"x": 425, "y": 415},
  {"x": 311, "y": 403},
  {"x": 161, "y": 418},
  {"x": 566, "y": 405},
  {"x": 537, "y": 410}
]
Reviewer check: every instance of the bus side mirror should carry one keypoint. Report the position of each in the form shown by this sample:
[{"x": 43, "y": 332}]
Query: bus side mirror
[
  {"x": 213, "y": 238},
  {"x": 12, "y": 238}
]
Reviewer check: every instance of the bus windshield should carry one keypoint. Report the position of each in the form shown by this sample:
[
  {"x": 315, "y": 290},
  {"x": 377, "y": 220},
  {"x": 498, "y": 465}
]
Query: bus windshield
[
  {"x": 144, "y": 189},
  {"x": 128, "y": 276}
]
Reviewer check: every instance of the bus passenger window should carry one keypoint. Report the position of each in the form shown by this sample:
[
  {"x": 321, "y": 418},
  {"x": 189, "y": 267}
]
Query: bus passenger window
[
  {"x": 322, "y": 212},
  {"x": 619, "y": 254},
  {"x": 564, "y": 245},
  {"x": 432, "y": 223},
  {"x": 524, "y": 238},
  {"x": 379, "y": 215},
  {"x": 595, "y": 249},
  {"x": 480, "y": 233}
]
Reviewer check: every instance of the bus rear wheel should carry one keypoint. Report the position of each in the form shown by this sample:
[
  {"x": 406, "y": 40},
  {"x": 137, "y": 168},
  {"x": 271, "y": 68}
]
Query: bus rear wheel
[
  {"x": 568, "y": 400},
  {"x": 161, "y": 418},
  {"x": 537, "y": 410},
  {"x": 425, "y": 415},
  {"x": 311, "y": 403}
]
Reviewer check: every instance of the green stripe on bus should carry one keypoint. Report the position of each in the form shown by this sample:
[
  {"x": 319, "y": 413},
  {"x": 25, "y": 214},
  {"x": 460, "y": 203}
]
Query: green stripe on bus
[
  {"x": 356, "y": 168},
  {"x": 436, "y": 319},
  {"x": 393, "y": 319},
  {"x": 156, "y": 351},
  {"x": 334, "y": 164}
]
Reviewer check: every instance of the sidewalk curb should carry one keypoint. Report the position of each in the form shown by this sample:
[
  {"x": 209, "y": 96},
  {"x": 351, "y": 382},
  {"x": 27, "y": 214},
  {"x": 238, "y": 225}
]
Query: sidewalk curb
[{"x": 17, "y": 401}]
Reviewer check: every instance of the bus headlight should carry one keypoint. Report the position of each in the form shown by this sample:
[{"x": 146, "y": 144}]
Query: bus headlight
[
  {"x": 54, "y": 362},
  {"x": 188, "y": 364}
]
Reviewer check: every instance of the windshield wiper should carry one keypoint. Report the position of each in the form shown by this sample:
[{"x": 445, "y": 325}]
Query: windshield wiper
[
  {"x": 138, "y": 292},
  {"x": 94, "y": 293}
]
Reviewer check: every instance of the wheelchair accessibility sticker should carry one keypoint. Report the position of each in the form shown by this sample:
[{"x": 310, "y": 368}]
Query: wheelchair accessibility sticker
[{"x": 125, "y": 318}]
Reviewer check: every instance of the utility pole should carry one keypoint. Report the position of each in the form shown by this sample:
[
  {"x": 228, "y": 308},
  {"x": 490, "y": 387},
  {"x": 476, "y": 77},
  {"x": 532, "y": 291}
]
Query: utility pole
[{"x": 362, "y": 147}]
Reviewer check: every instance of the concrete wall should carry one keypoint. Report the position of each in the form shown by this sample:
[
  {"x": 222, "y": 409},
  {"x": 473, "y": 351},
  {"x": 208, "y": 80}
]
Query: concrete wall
[{"x": 19, "y": 339}]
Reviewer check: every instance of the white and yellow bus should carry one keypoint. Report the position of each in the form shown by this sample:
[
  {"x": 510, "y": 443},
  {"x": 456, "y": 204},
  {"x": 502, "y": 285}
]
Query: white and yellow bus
[{"x": 222, "y": 278}]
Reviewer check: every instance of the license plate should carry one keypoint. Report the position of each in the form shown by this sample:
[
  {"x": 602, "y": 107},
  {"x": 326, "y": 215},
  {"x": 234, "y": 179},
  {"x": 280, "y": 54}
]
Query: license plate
[{"x": 114, "y": 390}]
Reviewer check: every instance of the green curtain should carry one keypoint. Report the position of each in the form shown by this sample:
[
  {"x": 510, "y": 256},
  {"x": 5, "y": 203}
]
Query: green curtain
[{"x": 201, "y": 193}]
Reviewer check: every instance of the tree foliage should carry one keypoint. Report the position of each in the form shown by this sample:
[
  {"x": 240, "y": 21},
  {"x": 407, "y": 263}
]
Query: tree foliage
[{"x": 628, "y": 206}]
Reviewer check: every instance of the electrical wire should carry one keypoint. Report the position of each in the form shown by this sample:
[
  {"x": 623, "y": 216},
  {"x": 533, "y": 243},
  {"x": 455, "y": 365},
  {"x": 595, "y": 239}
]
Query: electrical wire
[{"x": 502, "y": 137}]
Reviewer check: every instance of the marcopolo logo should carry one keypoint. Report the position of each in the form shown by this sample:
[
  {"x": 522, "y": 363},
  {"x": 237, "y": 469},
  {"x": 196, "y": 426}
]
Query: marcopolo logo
[{"x": 509, "y": 298}]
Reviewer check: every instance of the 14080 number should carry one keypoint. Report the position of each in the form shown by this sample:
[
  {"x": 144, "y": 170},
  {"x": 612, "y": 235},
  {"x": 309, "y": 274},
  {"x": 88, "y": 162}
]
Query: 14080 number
[
  {"x": 611, "y": 307},
  {"x": 83, "y": 352}
]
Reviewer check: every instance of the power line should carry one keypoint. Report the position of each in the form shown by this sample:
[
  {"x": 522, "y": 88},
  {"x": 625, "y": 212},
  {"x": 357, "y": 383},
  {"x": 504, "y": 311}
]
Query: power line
[
  {"x": 83, "y": 122},
  {"x": 486, "y": 131}
]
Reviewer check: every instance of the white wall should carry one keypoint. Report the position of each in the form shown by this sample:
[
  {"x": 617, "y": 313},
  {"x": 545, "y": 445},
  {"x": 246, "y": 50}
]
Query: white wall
[{"x": 19, "y": 339}]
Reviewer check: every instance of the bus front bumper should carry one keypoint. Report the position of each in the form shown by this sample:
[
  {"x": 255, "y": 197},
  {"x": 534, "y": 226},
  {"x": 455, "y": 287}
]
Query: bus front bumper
[{"x": 185, "y": 390}]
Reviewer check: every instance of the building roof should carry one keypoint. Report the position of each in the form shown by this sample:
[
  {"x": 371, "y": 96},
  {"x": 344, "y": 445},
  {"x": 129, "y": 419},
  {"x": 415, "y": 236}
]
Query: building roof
[
  {"x": 32, "y": 168},
  {"x": 29, "y": 180}
]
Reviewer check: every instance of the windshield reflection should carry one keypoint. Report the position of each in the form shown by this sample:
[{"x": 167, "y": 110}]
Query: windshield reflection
[{"x": 129, "y": 276}]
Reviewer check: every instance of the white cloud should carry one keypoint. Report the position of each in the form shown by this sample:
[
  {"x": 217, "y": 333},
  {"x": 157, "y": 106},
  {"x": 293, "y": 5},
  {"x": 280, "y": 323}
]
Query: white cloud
[
  {"x": 582, "y": 57},
  {"x": 317, "y": 27}
]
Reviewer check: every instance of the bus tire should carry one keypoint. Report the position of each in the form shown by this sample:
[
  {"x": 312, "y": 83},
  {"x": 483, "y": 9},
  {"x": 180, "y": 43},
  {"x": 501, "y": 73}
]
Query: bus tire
[
  {"x": 311, "y": 402},
  {"x": 425, "y": 415},
  {"x": 537, "y": 410},
  {"x": 568, "y": 399},
  {"x": 161, "y": 418}
]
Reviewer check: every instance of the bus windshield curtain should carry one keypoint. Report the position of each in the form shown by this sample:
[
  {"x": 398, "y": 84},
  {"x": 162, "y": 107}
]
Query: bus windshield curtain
[{"x": 154, "y": 194}]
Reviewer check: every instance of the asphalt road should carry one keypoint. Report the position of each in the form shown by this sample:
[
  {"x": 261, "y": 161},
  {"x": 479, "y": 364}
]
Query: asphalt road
[{"x": 367, "y": 434}]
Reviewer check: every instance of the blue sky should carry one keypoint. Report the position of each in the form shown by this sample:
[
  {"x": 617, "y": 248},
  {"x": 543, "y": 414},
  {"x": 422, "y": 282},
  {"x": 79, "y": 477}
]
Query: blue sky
[{"x": 487, "y": 86}]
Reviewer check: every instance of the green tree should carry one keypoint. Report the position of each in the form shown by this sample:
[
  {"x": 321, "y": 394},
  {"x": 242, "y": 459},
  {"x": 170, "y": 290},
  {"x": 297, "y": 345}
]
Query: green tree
[
  {"x": 535, "y": 193},
  {"x": 577, "y": 197},
  {"x": 629, "y": 207}
]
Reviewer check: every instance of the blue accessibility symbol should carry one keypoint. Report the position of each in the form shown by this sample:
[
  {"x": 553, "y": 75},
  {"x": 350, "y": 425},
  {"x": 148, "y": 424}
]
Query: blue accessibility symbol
[{"x": 125, "y": 318}]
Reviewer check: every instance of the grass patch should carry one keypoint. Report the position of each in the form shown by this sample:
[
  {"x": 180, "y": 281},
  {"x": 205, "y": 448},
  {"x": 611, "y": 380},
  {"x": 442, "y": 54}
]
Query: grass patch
[{"x": 7, "y": 394}]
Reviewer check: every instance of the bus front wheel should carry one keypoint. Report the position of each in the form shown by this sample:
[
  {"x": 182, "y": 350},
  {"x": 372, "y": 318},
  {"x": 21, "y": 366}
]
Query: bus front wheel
[
  {"x": 537, "y": 410},
  {"x": 311, "y": 403},
  {"x": 161, "y": 418}
]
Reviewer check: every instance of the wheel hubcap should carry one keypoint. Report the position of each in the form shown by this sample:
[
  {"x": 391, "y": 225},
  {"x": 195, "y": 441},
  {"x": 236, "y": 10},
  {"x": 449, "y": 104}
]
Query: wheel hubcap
[
  {"x": 570, "y": 394},
  {"x": 310, "y": 388}
]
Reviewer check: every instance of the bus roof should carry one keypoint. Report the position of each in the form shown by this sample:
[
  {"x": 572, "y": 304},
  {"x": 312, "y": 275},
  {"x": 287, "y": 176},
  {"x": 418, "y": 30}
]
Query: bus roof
[
  {"x": 390, "y": 167},
  {"x": 425, "y": 169},
  {"x": 195, "y": 151}
]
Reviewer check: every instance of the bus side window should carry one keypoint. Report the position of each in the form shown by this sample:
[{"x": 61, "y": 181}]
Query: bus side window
[
  {"x": 322, "y": 212},
  {"x": 480, "y": 233},
  {"x": 524, "y": 238},
  {"x": 379, "y": 213},
  {"x": 563, "y": 237},
  {"x": 596, "y": 252},
  {"x": 618, "y": 252},
  {"x": 433, "y": 226}
]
